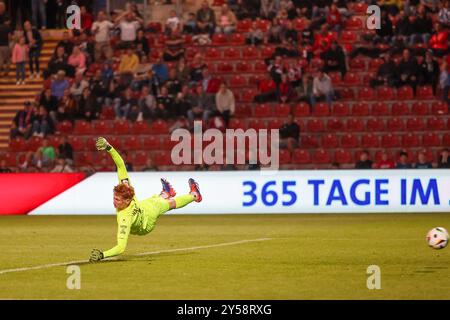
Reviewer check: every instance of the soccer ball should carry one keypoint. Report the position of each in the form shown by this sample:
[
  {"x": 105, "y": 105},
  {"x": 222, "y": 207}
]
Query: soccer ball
[{"x": 437, "y": 238}]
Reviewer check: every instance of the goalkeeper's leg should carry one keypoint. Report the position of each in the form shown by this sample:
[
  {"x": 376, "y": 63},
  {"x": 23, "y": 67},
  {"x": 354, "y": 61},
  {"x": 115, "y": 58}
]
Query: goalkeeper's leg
[{"x": 184, "y": 200}]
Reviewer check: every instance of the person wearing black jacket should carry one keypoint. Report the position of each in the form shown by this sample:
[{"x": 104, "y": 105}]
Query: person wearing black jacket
[
  {"x": 290, "y": 134},
  {"x": 422, "y": 27},
  {"x": 408, "y": 70},
  {"x": 386, "y": 31},
  {"x": 386, "y": 74},
  {"x": 57, "y": 62},
  {"x": 65, "y": 150},
  {"x": 334, "y": 59},
  {"x": 34, "y": 41},
  {"x": 49, "y": 102},
  {"x": 429, "y": 71}
]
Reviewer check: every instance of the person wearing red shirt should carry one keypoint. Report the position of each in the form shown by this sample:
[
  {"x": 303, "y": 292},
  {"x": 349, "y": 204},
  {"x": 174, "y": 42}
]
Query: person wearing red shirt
[
  {"x": 385, "y": 162},
  {"x": 334, "y": 18},
  {"x": 268, "y": 90},
  {"x": 87, "y": 20},
  {"x": 322, "y": 40},
  {"x": 439, "y": 41}
]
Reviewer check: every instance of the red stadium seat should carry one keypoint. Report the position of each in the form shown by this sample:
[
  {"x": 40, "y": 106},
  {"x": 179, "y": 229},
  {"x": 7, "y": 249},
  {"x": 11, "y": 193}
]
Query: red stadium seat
[
  {"x": 330, "y": 141},
  {"x": 224, "y": 67},
  {"x": 262, "y": 24},
  {"x": 17, "y": 145},
  {"x": 140, "y": 127},
  {"x": 151, "y": 143},
  {"x": 374, "y": 64},
  {"x": 359, "y": 8},
  {"x": 78, "y": 143},
  {"x": 315, "y": 125},
  {"x": 236, "y": 123},
  {"x": 348, "y": 36},
  {"x": 355, "y": 125},
  {"x": 140, "y": 158},
  {"x": 231, "y": 54},
  {"x": 248, "y": 95},
  {"x": 446, "y": 139},
  {"x": 360, "y": 109},
  {"x": 83, "y": 159},
  {"x": 321, "y": 156},
  {"x": 256, "y": 124},
  {"x": 243, "y": 25},
  {"x": 358, "y": 64},
  {"x": 242, "y": 67},
  {"x": 340, "y": 109},
  {"x": 64, "y": 127},
  {"x": 354, "y": 23},
  {"x": 321, "y": 109},
  {"x": 335, "y": 125},
  {"x": 284, "y": 156},
  {"x": 420, "y": 108},
  {"x": 300, "y": 156},
  {"x": 107, "y": 113},
  {"x": 369, "y": 140},
  {"x": 335, "y": 77},
  {"x": 385, "y": 93},
  {"x": 275, "y": 124},
  {"x": 162, "y": 158},
  {"x": 366, "y": 94},
  {"x": 430, "y": 139},
  {"x": 238, "y": 81},
  {"x": 380, "y": 109},
  {"x": 267, "y": 52},
  {"x": 212, "y": 54},
  {"x": 425, "y": 92},
  {"x": 282, "y": 110},
  {"x": 399, "y": 109},
  {"x": 395, "y": 124},
  {"x": 237, "y": 39},
  {"x": 299, "y": 24},
  {"x": 219, "y": 39},
  {"x": 82, "y": 127},
  {"x": 405, "y": 93},
  {"x": 390, "y": 140},
  {"x": 131, "y": 143},
  {"x": 121, "y": 127},
  {"x": 349, "y": 141},
  {"x": 309, "y": 141},
  {"x": 101, "y": 127},
  {"x": 302, "y": 110},
  {"x": 375, "y": 124},
  {"x": 439, "y": 108},
  {"x": 410, "y": 140},
  {"x": 343, "y": 156},
  {"x": 415, "y": 124},
  {"x": 11, "y": 159},
  {"x": 263, "y": 111},
  {"x": 347, "y": 93},
  {"x": 250, "y": 53},
  {"x": 435, "y": 123},
  {"x": 159, "y": 127}
]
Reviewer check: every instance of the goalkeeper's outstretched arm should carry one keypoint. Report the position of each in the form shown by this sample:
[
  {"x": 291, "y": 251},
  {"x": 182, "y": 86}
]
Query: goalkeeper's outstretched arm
[{"x": 103, "y": 144}]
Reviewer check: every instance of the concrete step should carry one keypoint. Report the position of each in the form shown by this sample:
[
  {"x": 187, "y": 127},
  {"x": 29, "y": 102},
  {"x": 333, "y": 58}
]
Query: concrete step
[
  {"x": 17, "y": 94},
  {"x": 26, "y": 87}
]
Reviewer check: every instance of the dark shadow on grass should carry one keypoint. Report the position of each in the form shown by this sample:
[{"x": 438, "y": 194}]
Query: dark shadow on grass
[{"x": 142, "y": 258}]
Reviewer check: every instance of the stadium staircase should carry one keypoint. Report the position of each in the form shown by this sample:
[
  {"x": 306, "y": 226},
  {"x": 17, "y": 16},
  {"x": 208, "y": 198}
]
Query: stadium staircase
[
  {"x": 12, "y": 96},
  {"x": 385, "y": 119}
]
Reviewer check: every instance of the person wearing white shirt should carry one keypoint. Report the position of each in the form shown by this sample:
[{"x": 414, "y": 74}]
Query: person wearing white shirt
[
  {"x": 322, "y": 88},
  {"x": 101, "y": 29},
  {"x": 128, "y": 24}
]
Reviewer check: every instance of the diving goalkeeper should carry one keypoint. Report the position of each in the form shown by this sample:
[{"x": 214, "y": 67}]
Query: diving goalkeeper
[{"x": 134, "y": 216}]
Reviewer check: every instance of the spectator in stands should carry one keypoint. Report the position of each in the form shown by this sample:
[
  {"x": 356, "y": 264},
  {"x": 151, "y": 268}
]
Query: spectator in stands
[
  {"x": 385, "y": 162},
  {"x": 33, "y": 40},
  {"x": 444, "y": 82},
  {"x": 386, "y": 74},
  {"x": 254, "y": 36},
  {"x": 77, "y": 60},
  {"x": 42, "y": 124},
  {"x": 206, "y": 19},
  {"x": 225, "y": 103},
  {"x": 173, "y": 23},
  {"x": 226, "y": 21},
  {"x": 101, "y": 30},
  {"x": 19, "y": 57},
  {"x": 174, "y": 46},
  {"x": 3, "y": 14},
  {"x": 149, "y": 165},
  {"x": 428, "y": 71},
  {"x": 123, "y": 106},
  {"x": 3, "y": 167},
  {"x": 67, "y": 107},
  {"x": 59, "y": 84},
  {"x": 444, "y": 161},
  {"x": 268, "y": 8},
  {"x": 364, "y": 162},
  {"x": 173, "y": 84},
  {"x": 201, "y": 102},
  {"x": 422, "y": 162},
  {"x": 274, "y": 34},
  {"x": 88, "y": 108},
  {"x": 128, "y": 64},
  {"x": 78, "y": 86},
  {"x": 196, "y": 68},
  {"x": 444, "y": 13},
  {"x": 87, "y": 19},
  {"x": 146, "y": 103},
  {"x": 6, "y": 34},
  {"x": 386, "y": 31},
  {"x": 431, "y": 5},
  {"x": 334, "y": 59},
  {"x": 182, "y": 103},
  {"x": 403, "y": 162},
  {"x": 322, "y": 40},
  {"x": 128, "y": 24},
  {"x": 50, "y": 103},
  {"x": 276, "y": 69},
  {"x": 65, "y": 150},
  {"x": 289, "y": 34},
  {"x": 422, "y": 25},
  {"x": 190, "y": 25},
  {"x": 290, "y": 134},
  {"x": 439, "y": 41},
  {"x": 334, "y": 18},
  {"x": 21, "y": 125},
  {"x": 160, "y": 70},
  {"x": 141, "y": 44},
  {"x": 322, "y": 89},
  {"x": 62, "y": 166},
  {"x": 143, "y": 74},
  {"x": 66, "y": 43},
  {"x": 408, "y": 70},
  {"x": 57, "y": 62},
  {"x": 164, "y": 106},
  {"x": 210, "y": 84},
  {"x": 267, "y": 90},
  {"x": 98, "y": 87},
  {"x": 285, "y": 91},
  {"x": 44, "y": 156}
]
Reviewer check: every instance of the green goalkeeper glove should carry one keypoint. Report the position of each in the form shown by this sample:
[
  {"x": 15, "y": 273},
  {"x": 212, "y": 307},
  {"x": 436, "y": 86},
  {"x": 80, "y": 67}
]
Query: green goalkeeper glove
[
  {"x": 96, "y": 255},
  {"x": 102, "y": 144}
]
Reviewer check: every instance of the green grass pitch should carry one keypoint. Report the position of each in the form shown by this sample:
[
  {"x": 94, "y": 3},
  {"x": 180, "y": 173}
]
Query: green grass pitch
[{"x": 307, "y": 257}]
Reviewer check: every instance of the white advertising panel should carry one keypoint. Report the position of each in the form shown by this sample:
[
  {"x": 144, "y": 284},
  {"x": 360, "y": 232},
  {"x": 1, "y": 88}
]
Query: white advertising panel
[{"x": 231, "y": 192}]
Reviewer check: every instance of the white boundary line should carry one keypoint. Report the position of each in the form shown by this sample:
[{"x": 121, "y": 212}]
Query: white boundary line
[{"x": 46, "y": 266}]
